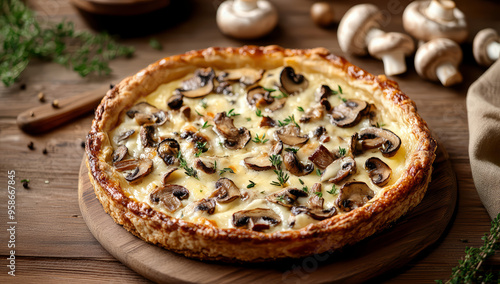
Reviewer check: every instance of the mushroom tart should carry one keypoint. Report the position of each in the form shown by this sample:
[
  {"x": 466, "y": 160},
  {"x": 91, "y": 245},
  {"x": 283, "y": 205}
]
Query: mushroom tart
[{"x": 257, "y": 153}]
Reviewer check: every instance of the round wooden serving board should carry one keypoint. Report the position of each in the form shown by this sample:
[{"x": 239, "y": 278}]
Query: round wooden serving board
[{"x": 387, "y": 250}]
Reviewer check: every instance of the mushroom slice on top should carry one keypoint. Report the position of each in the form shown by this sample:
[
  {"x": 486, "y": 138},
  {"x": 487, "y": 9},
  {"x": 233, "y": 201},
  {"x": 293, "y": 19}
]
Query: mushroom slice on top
[
  {"x": 175, "y": 101},
  {"x": 234, "y": 138},
  {"x": 120, "y": 153},
  {"x": 145, "y": 113},
  {"x": 322, "y": 157},
  {"x": 139, "y": 168},
  {"x": 260, "y": 163},
  {"x": 290, "y": 135},
  {"x": 225, "y": 191},
  {"x": 260, "y": 97},
  {"x": 384, "y": 139},
  {"x": 353, "y": 195},
  {"x": 201, "y": 84},
  {"x": 339, "y": 170},
  {"x": 124, "y": 136},
  {"x": 205, "y": 165},
  {"x": 314, "y": 113},
  {"x": 379, "y": 172},
  {"x": 167, "y": 175},
  {"x": 323, "y": 92},
  {"x": 186, "y": 112},
  {"x": 294, "y": 166},
  {"x": 286, "y": 197},
  {"x": 349, "y": 113},
  {"x": 315, "y": 206},
  {"x": 258, "y": 219},
  {"x": 276, "y": 148},
  {"x": 170, "y": 196},
  {"x": 205, "y": 204},
  {"x": 246, "y": 76},
  {"x": 267, "y": 122},
  {"x": 147, "y": 134},
  {"x": 291, "y": 82},
  {"x": 168, "y": 150}
]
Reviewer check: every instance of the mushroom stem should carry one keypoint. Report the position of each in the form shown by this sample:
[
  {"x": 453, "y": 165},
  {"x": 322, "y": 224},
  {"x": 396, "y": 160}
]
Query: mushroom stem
[
  {"x": 394, "y": 63},
  {"x": 493, "y": 50},
  {"x": 448, "y": 74},
  {"x": 245, "y": 5},
  {"x": 441, "y": 10},
  {"x": 373, "y": 33}
]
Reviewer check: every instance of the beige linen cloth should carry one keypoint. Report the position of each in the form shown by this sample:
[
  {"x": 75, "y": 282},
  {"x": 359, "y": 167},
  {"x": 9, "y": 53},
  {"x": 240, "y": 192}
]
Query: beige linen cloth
[{"x": 483, "y": 108}]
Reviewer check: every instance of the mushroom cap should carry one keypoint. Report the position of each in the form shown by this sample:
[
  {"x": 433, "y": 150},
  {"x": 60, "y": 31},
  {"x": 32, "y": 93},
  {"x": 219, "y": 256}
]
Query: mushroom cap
[
  {"x": 432, "y": 54},
  {"x": 378, "y": 171},
  {"x": 391, "y": 42},
  {"x": 257, "y": 219},
  {"x": 353, "y": 195},
  {"x": 355, "y": 25},
  {"x": 481, "y": 41},
  {"x": 235, "y": 21},
  {"x": 418, "y": 24},
  {"x": 292, "y": 82},
  {"x": 349, "y": 113},
  {"x": 322, "y": 14}
]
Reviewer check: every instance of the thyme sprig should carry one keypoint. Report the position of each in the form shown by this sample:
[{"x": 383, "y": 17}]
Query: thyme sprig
[
  {"x": 262, "y": 140},
  {"x": 189, "y": 171},
  {"x": 288, "y": 120},
  {"x": 281, "y": 176}
]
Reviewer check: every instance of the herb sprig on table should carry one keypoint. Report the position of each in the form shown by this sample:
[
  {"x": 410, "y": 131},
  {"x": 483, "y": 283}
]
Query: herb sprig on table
[{"x": 24, "y": 38}]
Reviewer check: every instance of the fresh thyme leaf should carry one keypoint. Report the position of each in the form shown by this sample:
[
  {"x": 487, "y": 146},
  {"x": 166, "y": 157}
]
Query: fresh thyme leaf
[
  {"x": 269, "y": 90},
  {"x": 301, "y": 181},
  {"x": 225, "y": 170},
  {"x": 304, "y": 188},
  {"x": 262, "y": 140},
  {"x": 318, "y": 172},
  {"x": 280, "y": 96},
  {"x": 262, "y": 192},
  {"x": 319, "y": 194},
  {"x": 281, "y": 176},
  {"x": 380, "y": 125},
  {"x": 251, "y": 184},
  {"x": 154, "y": 43},
  {"x": 342, "y": 151},
  {"x": 290, "y": 149},
  {"x": 205, "y": 125},
  {"x": 333, "y": 190},
  {"x": 342, "y": 99},
  {"x": 189, "y": 171},
  {"x": 199, "y": 114},
  {"x": 232, "y": 113},
  {"x": 258, "y": 113},
  {"x": 280, "y": 199},
  {"x": 202, "y": 148},
  {"x": 248, "y": 119},
  {"x": 300, "y": 109},
  {"x": 340, "y": 89},
  {"x": 203, "y": 103},
  {"x": 288, "y": 120},
  {"x": 215, "y": 165}
]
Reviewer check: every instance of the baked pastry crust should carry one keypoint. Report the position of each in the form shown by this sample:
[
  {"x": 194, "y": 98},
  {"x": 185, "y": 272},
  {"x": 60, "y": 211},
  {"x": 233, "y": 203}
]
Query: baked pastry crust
[{"x": 205, "y": 241}]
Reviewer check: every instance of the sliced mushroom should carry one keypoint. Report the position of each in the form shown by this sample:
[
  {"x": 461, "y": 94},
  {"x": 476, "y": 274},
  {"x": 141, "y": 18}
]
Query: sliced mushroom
[
  {"x": 260, "y": 97},
  {"x": 378, "y": 171},
  {"x": 167, "y": 175},
  {"x": 326, "y": 104},
  {"x": 355, "y": 147},
  {"x": 194, "y": 137},
  {"x": 139, "y": 168},
  {"x": 257, "y": 219},
  {"x": 349, "y": 113},
  {"x": 319, "y": 131},
  {"x": 246, "y": 76},
  {"x": 170, "y": 196},
  {"x": 267, "y": 122},
  {"x": 124, "y": 136},
  {"x": 385, "y": 140},
  {"x": 294, "y": 166},
  {"x": 201, "y": 84},
  {"x": 224, "y": 88},
  {"x": 205, "y": 165},
  {"x": 186, "y": 112},
  {"x": 322, "y": 157},
  {"x": 147, "y": 134},
  {"x": 207, "y": 205},
  {"x": 353, "y": 195},
  {"x": 168, "y": 150},
  {"x": 120, "y": 153},
  {"x": 175, "y": 101},
  {"x": 323, "y": 92},
  {"x": 315, "y": 206},
  {"x": 314, "y": 113},
  {"x": 290, "y": 135},
  {"x": 234, "y": 138},
  {"x": 286, "y": 197},
  {"x": 261, "y": 163},
  {"x": 276, "y": 148},
  {"x": 291, "y": 82},
  {"x": 339, "y": 170},
  {"x": 372, "y": 114},
  {"x": 145, "y": 113},
  {"x": 225, "y": 191}
]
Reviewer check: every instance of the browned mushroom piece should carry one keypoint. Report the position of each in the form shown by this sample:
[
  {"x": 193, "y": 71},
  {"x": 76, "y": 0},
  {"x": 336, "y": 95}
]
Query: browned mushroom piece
[
  {"x": 348, "y": 113},
  {"x": 201, "y": 84},
  {"x": 339, "y": 170},
  {"x": 205, "y": 165},
  {"x": 175, "y": 101},
  {"x": 372, "y": 115},
  {"x": 139, "y": 168},
  {"x": 315, "y": 206},
  {"x": 147, "y": 134},
  {"x": 124, "y": 136},
  {"x": 170, "y": 196},
  {"x": 385, "y": 140},
  {"x": 167, "y": 150},
  {"x": 319, "y": 131},
  {"x": 378, "y": 171},
  {"x": 323, "y": 92},
  {"x": 312, "y": 114},
  {"x": 292, "y": 82},
  {"x": 120, "y": 153},
  {"x": 207, "y": 205},
  {"x": 168, "y": 174},
  {"x": 186, "y": 112},
  {"x": 260, "y": 163},
  {"x": 246, "y": 76},
  {"x": 224, "y": 88},
  {"x": 322, "y": 157},
  {"x": 286, "y": 197},
  {"x": 326, "y": 105},
  {"x": 276, "y": 148},
  {"x": 290, "y": 135},
  {"x": 267, "y": 122},
  {"x": 258, "y": 219},
  {"x": 353, "y": 195},
  {"x": 225, "y": 191},
  {"x": 145, "y": 113},
  {"x": 260, "y": 97},
  {"x": 355, "y": 147},
  {"x": 234, "y": 138},
  {"x": 294, "y": 166},
  {"x": 193, "y": 137}
]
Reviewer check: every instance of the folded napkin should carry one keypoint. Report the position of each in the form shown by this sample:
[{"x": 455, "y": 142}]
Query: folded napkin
[{"x": 483, "y": 108}]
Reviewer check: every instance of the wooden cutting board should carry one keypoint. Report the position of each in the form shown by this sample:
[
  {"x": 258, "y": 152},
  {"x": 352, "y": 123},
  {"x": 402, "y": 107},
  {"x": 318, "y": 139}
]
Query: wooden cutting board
[{"x": 387, "y": 250}]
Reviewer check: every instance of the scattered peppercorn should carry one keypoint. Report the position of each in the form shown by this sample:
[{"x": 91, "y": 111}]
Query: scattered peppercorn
[
  {"x": 45, "y": 151},
  {"x": 111, "y": 86},
  {"x": 31, "y": 146},
  {"x": 23, "y": 86},
  {"x": 55, "y": 103},
  {"x": 26, "y": 183},
  {"x": 82, "y": 144},
  {"x": 41, "y": 97},
  {"x": 32, "y": 114}
]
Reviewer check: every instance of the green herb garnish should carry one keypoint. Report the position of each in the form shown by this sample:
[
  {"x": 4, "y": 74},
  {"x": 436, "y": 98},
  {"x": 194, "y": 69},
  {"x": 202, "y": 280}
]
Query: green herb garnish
[
  {"x": 262, "y": 140},
  {"x": 333, "y": 190},
  {"x": 203, "y": 103},
  {"x": 251, "y": 184},
  {"x": 205, "y": 125},
  {"x": 304, "y": 188},
  {"x": 248, "y": 119},
  {"x": 269, "y": 90},
  {"x": 280, "y": 199},
  {"x": 288, "y": 120},
  {"x": 319, "y": 194},
  {"x": 340, "y": 89},
  {"x": 189, "y": 171},
  {"x": 258, "y": 113},
  {"x": 199, "y": 114},
  {"x": 202, "y": 148},
  {"x": 289, "y": 149},
  {"x": 342, "y": 151},
  {"x": 225, "y": 170},
  {"x": 300, "y": 109},
  {"x": 154, "y": 43},
  {"x": 232, "y": 113},
  {"x": 380, "y": 125},
  {"x": 281, "y": 176},
  {"x": 318, "y": 172}
]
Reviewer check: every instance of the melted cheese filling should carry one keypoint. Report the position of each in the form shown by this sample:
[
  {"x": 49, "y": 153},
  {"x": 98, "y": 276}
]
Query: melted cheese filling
[{"x": 215, "y": 103}]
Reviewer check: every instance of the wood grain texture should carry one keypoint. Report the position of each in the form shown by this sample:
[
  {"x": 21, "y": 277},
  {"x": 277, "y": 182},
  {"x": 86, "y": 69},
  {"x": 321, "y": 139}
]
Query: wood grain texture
[
  {"x": 53, "y": 239},
  {"x": 387, "y": 250}
]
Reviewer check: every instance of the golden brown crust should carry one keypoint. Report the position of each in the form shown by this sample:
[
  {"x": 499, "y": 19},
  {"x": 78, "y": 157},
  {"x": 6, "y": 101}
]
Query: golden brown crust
[{"x": 208, "y": 242}]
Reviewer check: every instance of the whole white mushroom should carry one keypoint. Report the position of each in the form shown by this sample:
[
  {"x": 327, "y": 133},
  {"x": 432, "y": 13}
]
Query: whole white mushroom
[{"x": 486, "y": 47}]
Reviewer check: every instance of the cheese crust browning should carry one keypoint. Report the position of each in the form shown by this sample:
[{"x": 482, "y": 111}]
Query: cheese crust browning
[{"x": 207, "y": 238}]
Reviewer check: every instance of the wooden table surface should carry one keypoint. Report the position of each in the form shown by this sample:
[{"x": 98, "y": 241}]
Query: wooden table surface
[{"x": 53, "y": 243}]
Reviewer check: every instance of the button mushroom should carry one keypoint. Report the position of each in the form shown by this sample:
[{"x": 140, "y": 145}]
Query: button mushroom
[
  {"x": 246, "y": 76},
  {"x": 170, "y": 196},
  {"x": 225, "y": 191},
  {"x": 201, "y": 84},
  {"x": 120, "y": 153},
  {"x": 349, "y": 113},
  {"x": 290, "y": 135},
  {"x": 186, "y": 112},
  {"x": 322, "y": 14},
  {"x": 168, "y": 150},
  {"x": 353, "y": 195},
  {"x": 323, "y": 92},
  {"x": 260, "y": 97},
  {"x": 438, "y": 59},
  {"x": 314, "y": 113},
  {"x": 292, "y": 82},
  {"x": 322, "y": 157},
  {"x": 205, "y": 165},
  {"x": 294, "y": 166},
  {"x": 286, "y": 197},
  {"x": 145, "y": 113},
  {"x": 428, "y": 20},
  {"x": 260, "y": 163},
  {"x": 267, "y": 122},
  {"x": 168, "y": 174},
  {"x": 175, "y": 101},
  {"x": 392, "y": 48},
  {"x": 258, "y": 219},
  {"x": 207, "y": 205},
  {"x": 378, "y": 171},
  {"x": 486, "y": 47},
  {"x": 315, "y": 206},
  {"x": 139, "y": 168},
  {"x": 276, "y": 148},
  {"x": 339, "y": 170},
  {"x": 384, "y": 139},
  {"x": 147, "y": 134},
  {"x": 234, "y": 138},
  {"x": 124, "y": 136}
]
